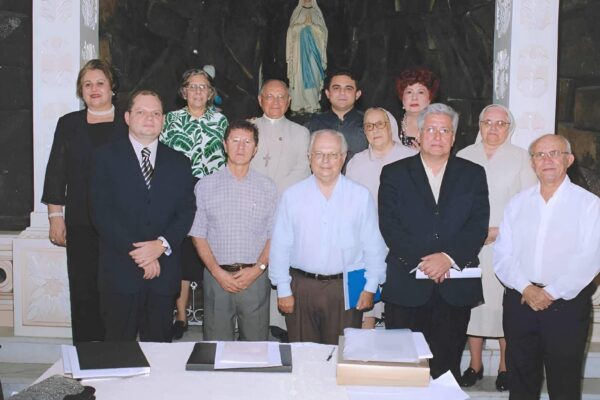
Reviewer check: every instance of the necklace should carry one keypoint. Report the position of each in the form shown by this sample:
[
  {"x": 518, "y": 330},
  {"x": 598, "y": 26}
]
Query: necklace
[{"x": 102, "y": 113}]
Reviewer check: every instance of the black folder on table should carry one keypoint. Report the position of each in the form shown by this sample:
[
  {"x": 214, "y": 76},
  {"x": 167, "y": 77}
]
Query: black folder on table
[
  {"x": 104, "y": 355},
  {"x": 203, "y": 359}
]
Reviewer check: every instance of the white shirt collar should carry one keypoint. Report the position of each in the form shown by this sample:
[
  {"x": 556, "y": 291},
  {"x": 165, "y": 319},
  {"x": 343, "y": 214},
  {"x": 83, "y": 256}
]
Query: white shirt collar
[{"x": 272, "y": 120}]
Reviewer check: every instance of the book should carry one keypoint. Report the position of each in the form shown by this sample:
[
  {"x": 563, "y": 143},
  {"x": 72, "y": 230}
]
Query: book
[
  {"x": 202, "y": 358},
  {"x": 104, "y": 359},
  {"x": 354, "y": 284}
]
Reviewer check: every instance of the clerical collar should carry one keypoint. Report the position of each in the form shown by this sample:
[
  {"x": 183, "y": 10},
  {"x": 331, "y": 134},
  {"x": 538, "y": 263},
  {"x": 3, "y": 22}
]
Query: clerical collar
[
  {"x": 307, "y": 8},
  {"x": 271, "y": 120}
]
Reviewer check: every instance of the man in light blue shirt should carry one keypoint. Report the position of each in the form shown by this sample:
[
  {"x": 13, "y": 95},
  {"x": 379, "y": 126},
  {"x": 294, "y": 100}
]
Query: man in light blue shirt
[{"x": 325, "y": 224}]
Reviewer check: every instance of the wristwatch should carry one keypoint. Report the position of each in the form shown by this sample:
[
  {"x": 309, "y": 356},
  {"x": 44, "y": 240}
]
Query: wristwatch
[{"x": 262, "y": 267}]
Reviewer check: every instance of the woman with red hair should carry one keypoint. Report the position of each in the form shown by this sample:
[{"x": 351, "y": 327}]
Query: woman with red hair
[{"x": 416, "y": 88}]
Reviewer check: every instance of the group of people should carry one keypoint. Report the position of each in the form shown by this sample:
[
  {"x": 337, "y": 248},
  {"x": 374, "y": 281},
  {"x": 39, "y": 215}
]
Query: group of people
[{"x": 272, "y": 224}]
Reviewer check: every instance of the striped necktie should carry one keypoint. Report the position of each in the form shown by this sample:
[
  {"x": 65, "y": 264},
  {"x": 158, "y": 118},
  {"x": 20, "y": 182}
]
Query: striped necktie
[{"x": 147, "y": 169}]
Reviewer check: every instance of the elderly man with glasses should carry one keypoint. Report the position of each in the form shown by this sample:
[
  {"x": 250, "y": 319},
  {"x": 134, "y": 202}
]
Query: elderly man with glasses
[
  {"x": 434, "y": 214},
  {"x": 547, "y": 254},
  {"x": 326, "y": 224}
]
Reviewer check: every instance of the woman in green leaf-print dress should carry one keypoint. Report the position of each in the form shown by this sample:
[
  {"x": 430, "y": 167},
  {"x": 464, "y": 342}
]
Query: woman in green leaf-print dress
[{"x": 197, "y": 131}]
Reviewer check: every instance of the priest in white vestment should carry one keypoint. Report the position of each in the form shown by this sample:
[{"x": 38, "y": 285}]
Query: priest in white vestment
[
  {"x": 282, "y": 152},
  {"x": 283, "y": 145}
]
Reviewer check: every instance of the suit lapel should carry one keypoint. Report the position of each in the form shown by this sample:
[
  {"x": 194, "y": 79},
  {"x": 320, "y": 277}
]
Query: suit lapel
[
  {"x": 419, "y": 178},
  {"x": 159, "y": 168}
]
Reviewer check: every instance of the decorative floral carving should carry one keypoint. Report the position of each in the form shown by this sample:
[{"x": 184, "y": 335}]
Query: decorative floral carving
[
  {"x": 89, "y": 13},
  {"x": 533, "y": 65},
  {"x": 45, "y": 289},
  {"x": 537, "y": 14},
  {"x": 503, "y": 15},
  {"x": 56, "y": 68},
  {"x": 57, "y": 10},
  {"x": 501, "y": 66},
  {"x": 88, "y": 51},
  {"x": 530, "y": 126}
]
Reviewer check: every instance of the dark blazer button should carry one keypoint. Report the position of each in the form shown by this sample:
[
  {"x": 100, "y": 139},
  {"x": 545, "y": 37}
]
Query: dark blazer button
[
  {"x": 436, "y": 212},
  {"x": 435, "y": 235}
]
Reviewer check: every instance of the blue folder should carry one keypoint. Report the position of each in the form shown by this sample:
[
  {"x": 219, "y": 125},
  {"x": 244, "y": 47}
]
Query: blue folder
[{"x": 355, "y": 284}]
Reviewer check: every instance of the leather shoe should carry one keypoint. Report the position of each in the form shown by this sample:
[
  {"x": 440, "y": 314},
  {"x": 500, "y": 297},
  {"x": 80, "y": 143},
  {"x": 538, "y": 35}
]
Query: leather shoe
[
  {"x": 470, "y": 377},
  {"x": 502, "y": 381},
  {"x": 178, "y": 328}
]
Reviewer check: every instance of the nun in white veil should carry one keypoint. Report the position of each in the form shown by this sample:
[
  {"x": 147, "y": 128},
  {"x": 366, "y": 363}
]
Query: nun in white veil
[
  {"x": 306, "y": 56},
  {"x": 508, "y": 171}
]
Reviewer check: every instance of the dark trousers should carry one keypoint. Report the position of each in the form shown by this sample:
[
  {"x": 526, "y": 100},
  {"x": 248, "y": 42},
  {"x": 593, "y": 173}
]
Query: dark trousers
[
  {"x": 319, "y": 314},
  {"x": 147, "y": 313},
  {"x": 553, "y": 339},
  {"x": 82, "y": 268},
  {"x": 443, "y": 325}
]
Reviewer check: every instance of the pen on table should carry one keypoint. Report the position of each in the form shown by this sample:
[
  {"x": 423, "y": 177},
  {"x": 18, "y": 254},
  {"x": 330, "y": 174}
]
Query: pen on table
[{"x": 330, "y": 354}]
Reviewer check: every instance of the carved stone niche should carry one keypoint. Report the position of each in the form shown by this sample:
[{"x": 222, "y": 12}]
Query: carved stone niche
[{"x": 41, "y": 289}]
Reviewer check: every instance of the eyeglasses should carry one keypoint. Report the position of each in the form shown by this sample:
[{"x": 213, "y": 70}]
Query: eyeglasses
[
  {"x": 238, "y": 140},
  {"x": 442, "y": 131},
  {"x": 379, "y": 125},
  {"x": 273, "y": 97},
  {"x": 498, "y": 124},
  {"x": 325, "y": 156},
  {"x": 552, "y": 154},
  {"x": 197, "y": 87}
]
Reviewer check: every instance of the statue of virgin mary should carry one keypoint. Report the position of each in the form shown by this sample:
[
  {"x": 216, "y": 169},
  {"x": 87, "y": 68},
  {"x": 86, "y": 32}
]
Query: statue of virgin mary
[{"x": 306, "y": 56}]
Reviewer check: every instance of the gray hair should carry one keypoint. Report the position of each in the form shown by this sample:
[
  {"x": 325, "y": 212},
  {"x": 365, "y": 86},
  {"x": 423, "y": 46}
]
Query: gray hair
[
  {"x": 314, "y": 135},
  {"x": 262, "y": 88},
  {"x": 564, "y": 140},
  {"x": 511, "y": 118},
  {"x": 438, "y": 108},
  {"x": 371, "y": 109}
]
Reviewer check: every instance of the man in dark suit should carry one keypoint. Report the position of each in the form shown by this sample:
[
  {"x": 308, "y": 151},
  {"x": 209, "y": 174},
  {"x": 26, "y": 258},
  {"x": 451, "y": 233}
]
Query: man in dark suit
[
  {"x": 433, "y": 215},
  {"x": 142, "y": 199}
]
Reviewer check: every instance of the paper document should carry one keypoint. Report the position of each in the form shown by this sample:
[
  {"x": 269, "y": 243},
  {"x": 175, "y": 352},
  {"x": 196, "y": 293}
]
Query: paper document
[
  {"x": 442, "y": 388},
  {"x": 247, "y": 355},
  {"x": 71, "y": 366},
  {"x": 454, "y": 274},
  {"x": 387, "y": 345}
]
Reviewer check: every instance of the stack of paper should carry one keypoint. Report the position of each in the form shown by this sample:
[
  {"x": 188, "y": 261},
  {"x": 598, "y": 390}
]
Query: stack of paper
[
  {"x": 388, "y": 345},
  {"x": 231, "y": 355}
]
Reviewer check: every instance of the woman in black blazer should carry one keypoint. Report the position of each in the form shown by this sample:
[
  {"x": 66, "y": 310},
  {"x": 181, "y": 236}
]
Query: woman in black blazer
[{"x": 66, "y": 194}]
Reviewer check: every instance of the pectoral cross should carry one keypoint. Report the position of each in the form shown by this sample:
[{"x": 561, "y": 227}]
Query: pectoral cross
[{"x": 267, "y": 158}]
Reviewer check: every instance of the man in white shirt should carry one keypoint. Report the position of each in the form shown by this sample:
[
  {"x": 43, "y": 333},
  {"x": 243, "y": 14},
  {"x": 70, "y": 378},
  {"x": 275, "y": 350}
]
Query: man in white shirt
[
  {"x": 324, "y": 225},
  {"x": 547, "y": 254}
]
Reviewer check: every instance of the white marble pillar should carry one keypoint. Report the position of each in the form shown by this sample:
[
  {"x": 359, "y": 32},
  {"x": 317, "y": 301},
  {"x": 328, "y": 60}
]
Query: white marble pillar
[
  {"x": 525, "y": 65},
  {"x": 525, "y": 76},
  {"x": 65, "y": 36}
]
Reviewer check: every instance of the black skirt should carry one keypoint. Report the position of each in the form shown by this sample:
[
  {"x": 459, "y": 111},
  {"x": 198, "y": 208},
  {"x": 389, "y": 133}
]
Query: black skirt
[{"x": 191, "y": 265}]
